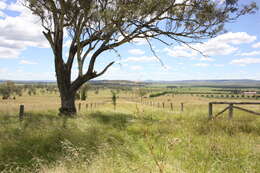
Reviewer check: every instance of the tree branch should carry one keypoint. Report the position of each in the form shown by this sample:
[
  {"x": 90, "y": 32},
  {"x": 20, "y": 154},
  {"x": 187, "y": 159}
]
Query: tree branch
[{"x": 105, "y": 69}]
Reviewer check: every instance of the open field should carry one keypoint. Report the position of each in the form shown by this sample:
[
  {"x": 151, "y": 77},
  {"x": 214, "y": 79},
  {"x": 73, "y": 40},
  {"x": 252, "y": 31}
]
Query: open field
[{"x": 136, "y": 137}]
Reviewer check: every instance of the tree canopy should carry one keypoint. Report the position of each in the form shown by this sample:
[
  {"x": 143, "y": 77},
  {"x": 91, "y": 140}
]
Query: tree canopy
[{"x": 96, "y": 26}]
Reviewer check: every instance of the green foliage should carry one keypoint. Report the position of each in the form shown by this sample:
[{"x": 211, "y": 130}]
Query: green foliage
[
  {"x": 83, "y": 95},
  {"x": 9, "y": 88},
  {"x": 159, "y": 94},
  {"x": 142, "y": 92},
  {"x": 77, "y": 96},
  {"x": 32, "y": 91},
  {"x": 84, "y": 91}
]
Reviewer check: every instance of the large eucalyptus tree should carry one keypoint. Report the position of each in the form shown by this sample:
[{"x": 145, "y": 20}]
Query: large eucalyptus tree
[{"x": 96, "y": 26}]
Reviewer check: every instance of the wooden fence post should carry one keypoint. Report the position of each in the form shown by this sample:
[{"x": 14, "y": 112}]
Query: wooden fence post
[
  {"x": 230, "y": 115},
  {"x": 79, "y": 106},
  {"x": 171, "y": 107},
  {"x": 163, "y": 105},
  {"x": 86, "y": 106},
  {"x": 210, "y": 110},
  {"x": 21, "y": 112},
  {"x": 182, "y": 107}
]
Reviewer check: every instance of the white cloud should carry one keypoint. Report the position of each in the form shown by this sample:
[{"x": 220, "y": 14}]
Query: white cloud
[
  {"x": 140, "y": 41},
  {"x": 3, "y": 70},
  {"x": 223, "y": 44},
  {"x": 256, "y": 45},
  {"x": 235, "y": 38},
  {"x": 253, "y": 53},
  {"x": 220, "y": 45},
  {"x": 213, "y": 48},
  {"x": 19, "y": 32},
  {"x": 167, "y": 67},
  {"x": 136, "y": 52},
  {"x": 180, "y": 51},
  {"x": 140, "y": 59},
  {"x": 8, "y": 53},
  {"x": 20, "y": 74},
  {"x": 3, "y": 5},
  {"x": 27, "y": 62},
  {"x": 201, "y": 65},
  {"x": 219, "y": 65},
  {"x": 136, "y": 68},
  {"x": 206, "y": 59},
  {"x": 245, "y": 61},
  {"x": 2, "y": 14}
]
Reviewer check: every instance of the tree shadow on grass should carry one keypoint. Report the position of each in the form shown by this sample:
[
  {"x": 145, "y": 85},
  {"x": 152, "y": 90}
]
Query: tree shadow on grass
[
  {"x": 116, "y": 120},
  {"x": 120, "y": 120},
  {"x": 44, "y": 137}
]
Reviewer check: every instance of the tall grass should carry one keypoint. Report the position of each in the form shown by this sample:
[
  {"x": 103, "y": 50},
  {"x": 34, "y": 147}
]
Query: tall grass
[
  {"x": 144, "y": 141},
  {"x": 134, "y": 138}
]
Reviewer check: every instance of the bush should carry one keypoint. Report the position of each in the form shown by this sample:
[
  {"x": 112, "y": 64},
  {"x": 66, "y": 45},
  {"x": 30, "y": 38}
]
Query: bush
[
  {"x": 7, "y": 89},
  {"x": 84, "y": 92},
  {"x": 77, "y": 97},
  {"x": 159, "y": 94}
]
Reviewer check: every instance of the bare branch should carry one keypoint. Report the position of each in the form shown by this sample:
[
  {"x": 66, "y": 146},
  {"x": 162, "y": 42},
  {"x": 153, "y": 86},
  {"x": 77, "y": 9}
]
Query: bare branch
[
  {"x": 105, "y": 69},
  {"x": 154, "y": 53}
]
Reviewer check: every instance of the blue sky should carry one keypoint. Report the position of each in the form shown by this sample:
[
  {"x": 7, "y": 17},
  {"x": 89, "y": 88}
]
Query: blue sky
[{"x": 25, "y": 54}]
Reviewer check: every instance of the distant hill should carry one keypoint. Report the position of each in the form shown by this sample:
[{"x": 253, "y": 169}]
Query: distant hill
[
  {"x": 195, "y": 83},
  {"x": 213, "y": 83},
  {"x": 29, "y": 81}
]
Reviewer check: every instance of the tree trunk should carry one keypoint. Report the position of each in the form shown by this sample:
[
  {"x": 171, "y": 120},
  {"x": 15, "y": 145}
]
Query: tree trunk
[
  {"x": 68, "y": 107},
  {"x": 67, "y": 94}
]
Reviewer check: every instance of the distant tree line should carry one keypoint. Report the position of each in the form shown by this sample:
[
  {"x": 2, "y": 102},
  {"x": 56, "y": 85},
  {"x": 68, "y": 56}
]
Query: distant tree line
[{"x": 9, "y": 89}]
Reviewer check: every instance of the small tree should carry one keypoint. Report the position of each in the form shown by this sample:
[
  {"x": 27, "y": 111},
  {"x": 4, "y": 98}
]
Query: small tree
[
  {"x": 7, "y": 89},
  {"x": 142, "y": 92},
  {"x": 77, "y": 96},
  {"x": 84, "y": 91},
  {"x": 114, "y": 98},
  {"x": 18, "y": 91},
  {"x": 31, "y": 90},
  {"x": 97, "y": 91},
  {"x": 83, "y": 95}
]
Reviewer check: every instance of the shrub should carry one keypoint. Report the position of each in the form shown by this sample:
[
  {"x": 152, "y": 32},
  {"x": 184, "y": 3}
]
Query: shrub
[{"x": 159, "y": 94}]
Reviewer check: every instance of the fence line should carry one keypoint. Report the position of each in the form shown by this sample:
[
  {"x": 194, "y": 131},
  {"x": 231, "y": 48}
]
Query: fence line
[{"x": 230, "y": 108}]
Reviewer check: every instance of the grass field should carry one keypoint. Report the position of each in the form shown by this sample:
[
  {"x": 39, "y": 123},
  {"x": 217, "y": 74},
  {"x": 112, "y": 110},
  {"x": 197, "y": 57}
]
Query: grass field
[{"x": 133, "y": 138}]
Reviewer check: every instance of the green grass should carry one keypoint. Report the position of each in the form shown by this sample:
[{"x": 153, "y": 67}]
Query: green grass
[
  {"x": 135, "y": 138},
  {"x": 148, "y": 141}
]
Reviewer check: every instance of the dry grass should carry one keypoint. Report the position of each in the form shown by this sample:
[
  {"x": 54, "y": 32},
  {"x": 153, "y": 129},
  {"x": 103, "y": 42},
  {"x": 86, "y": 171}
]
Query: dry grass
[{"x": 134, "y": 138}]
